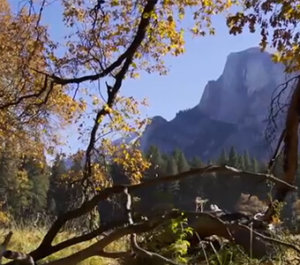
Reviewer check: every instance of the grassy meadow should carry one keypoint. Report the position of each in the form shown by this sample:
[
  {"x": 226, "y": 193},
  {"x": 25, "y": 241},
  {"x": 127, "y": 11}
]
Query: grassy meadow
[{"x": 26, "y": 239}]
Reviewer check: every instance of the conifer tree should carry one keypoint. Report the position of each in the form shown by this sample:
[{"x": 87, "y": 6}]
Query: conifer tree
[
  {"x": 181, "y": 161},
  {"x": 39, "y": 183},
  {"x": 14, "y": 181},
  {"x": 158, "y": 164},
  {"x": 195, "y": 162},
  {"x": 172, "y": 167},
  {"x": 247, "y": 161},
  {"x": 254, "y": 165},
  {"x": 233, "y": 157},
  {"x": 241, "y": 162},
  {"x": 223, "y": 158},
  {"x": 57, "y": 194}
]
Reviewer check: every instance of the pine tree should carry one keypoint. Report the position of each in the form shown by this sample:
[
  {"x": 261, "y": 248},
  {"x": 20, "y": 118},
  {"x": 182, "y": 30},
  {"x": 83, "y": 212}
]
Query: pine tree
[
  {"x": 254, "y": 165},
  {"x": 223, "y": 158},
  {"x": 233, "y": 158},
  {"x": 181, "y": 161},
  {"x": 158, "y": 164},
  {"x": 8, "y": 171},
  {"x": 172, "y": 168},
  {"x": 39, "y": 179},
  {"x": 241, "y": 162},
  {"x": 195, "y": 162},
  {"x": 57, "y": 194},
  {"x": 15, "y": 185},
  {"x": 247, "y": 161}
]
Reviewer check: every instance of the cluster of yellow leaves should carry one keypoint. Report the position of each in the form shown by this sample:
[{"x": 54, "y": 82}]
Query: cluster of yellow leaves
[
  {"x": 278, "y": 23},
  {"x": 124, "y": 121},
  {"x": 129, "y": 157},
  {"x": 74, "y": 175},
  {"x": 126, "y": 117}
]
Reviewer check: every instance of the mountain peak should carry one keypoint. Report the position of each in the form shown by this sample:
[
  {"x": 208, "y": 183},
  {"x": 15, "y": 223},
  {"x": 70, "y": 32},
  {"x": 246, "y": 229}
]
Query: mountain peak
[
  {"x": 231, "y": 111},
  {"x": 246, "y": 74}
]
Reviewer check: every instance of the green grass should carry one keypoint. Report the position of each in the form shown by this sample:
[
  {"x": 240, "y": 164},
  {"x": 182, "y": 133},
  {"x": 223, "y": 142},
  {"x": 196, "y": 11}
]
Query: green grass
[{"x": 27, "y": 239}]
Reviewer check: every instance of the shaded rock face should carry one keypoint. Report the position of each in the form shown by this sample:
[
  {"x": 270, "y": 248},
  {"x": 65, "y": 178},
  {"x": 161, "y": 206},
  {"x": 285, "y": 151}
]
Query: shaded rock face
[
  {"x": 243, "y": 91},
  {"x": 232, "y": 111}
]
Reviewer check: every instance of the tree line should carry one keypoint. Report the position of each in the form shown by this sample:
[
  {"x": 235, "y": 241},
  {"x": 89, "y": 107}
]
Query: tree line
[{"x": 30, "y": 187}]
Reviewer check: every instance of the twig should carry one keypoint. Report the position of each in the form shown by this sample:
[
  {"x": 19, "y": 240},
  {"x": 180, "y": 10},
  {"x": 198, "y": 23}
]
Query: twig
[
  {"x": 133, "y": 237},
  {"x": 96, "y": 248},
  {"x": 203, "y": 248},
  {"x": 273, "y": 240}
]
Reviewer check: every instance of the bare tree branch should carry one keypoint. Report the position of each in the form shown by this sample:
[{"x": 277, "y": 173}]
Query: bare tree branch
[
  {"x": 19, "y": 256},
  {"x": 290, "y": 150},
  {"x": 104, "y": 194},
  {"x": 273, "y": 240},
  {"x": 96, "y": 248},
  {"x": 133, "y": 238},
  {"x": 276, "y": 152},
  {"x": 127, "y": 55},
  {"x": 75, "y": 240}
]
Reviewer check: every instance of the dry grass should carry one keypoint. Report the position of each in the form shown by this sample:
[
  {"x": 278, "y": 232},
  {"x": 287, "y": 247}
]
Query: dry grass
[{"x": 27, "y": 239}]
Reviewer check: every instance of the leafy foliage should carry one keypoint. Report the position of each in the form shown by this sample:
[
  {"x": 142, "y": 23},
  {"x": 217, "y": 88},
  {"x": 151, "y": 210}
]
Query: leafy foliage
[
  {"x": 169, "y": 240},
  {"x": 277, "y": 22}
]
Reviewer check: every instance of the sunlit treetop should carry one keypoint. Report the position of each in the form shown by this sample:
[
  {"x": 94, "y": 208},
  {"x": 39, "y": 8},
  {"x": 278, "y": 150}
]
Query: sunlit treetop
[{"x": 26, "y": 99}]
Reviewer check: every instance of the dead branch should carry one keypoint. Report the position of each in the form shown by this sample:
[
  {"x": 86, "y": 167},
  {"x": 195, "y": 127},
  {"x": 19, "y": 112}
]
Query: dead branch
[
  {"x": 274, "y": 240},
  {"x": 276, "y": 152},
  {"x": 19, "y": 256},
  {"x": 87, "y": 206},
  {"x": 76, "y": 240},
  {"x": 149, "y": 254},
  {"x": 204, "y": 225},
  {"x": 133, "y": 238},
  {"x": 290, "y": 150},
  {"x": 96, "y": 248},
  {"x": 277, "y": 108}
]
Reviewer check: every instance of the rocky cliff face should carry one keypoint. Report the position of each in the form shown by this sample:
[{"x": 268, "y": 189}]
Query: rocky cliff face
[
  {"x": 231, "y": 111},
  {"x": 244, "y": 89}
]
